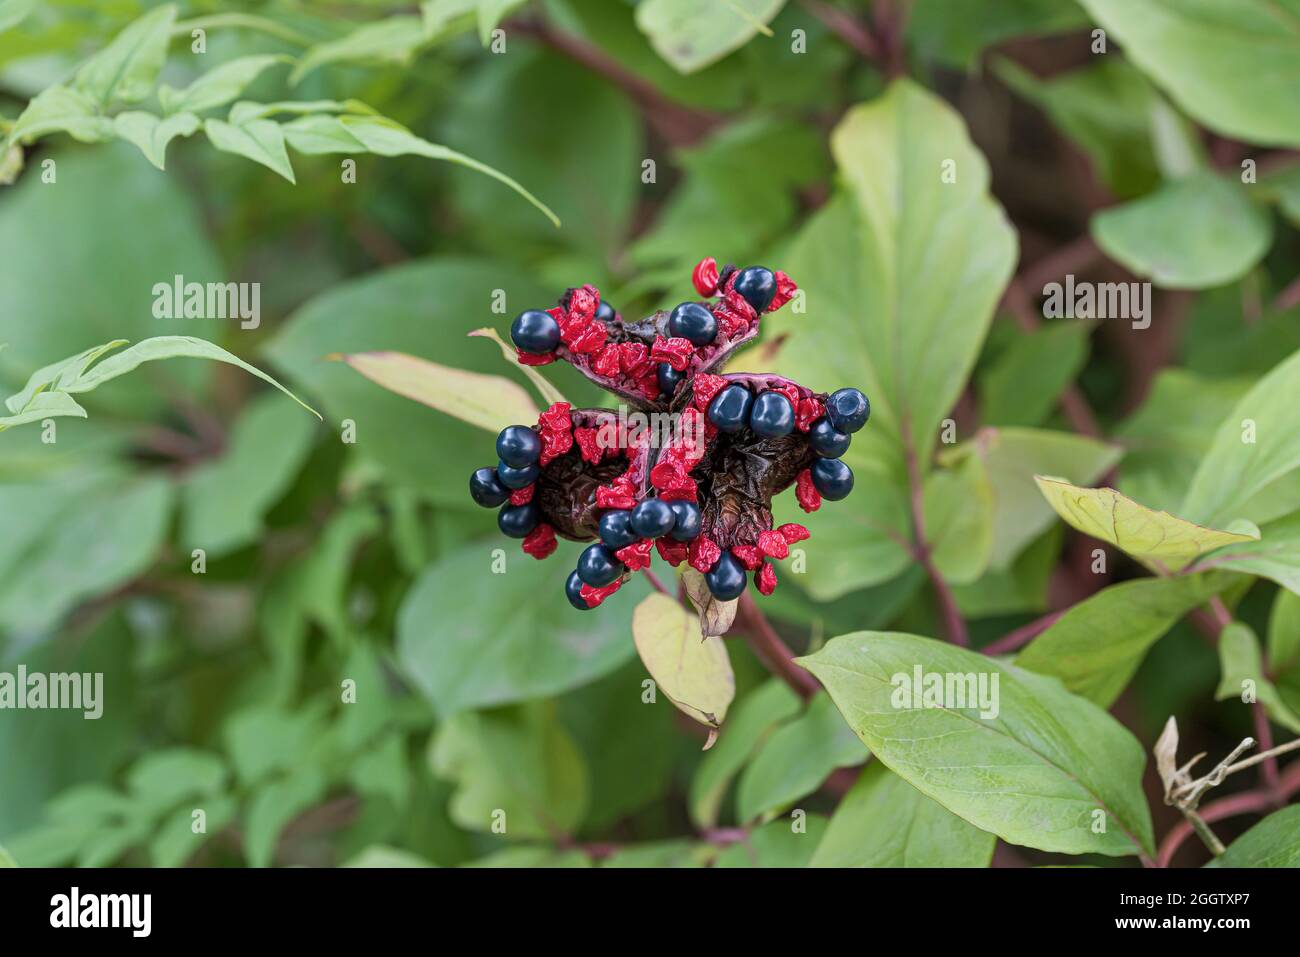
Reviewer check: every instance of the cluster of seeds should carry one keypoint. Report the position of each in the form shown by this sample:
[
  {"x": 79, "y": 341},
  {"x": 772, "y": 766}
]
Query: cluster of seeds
[{"x": 700, "y": 494}]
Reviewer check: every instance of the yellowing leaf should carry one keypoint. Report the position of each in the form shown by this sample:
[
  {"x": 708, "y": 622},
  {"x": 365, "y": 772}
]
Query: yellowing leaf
[
  {"x": 487, "y": 401},
  {"x": 548, "y": 392},
  {"x": 1157, "y": 539},
  {"x": 716, "y": 616},
  {"x": 694, "y": 672}
]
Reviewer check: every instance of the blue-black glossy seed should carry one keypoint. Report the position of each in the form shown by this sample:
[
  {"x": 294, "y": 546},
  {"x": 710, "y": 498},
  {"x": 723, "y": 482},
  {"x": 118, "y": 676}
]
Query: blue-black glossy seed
[
  {"x": 518, "y": 446},
  {"x": 757, "y": 285},
  {"x": 727, "y": 580},
  {"x": 832, "y": 478},
  {"x": 606, "y": 312},
  {"x": 652, "y": 518},
  {"x": 694, "y": 322},
  {"x": 669, "y": 378},
  {"x": 772, "y": 416},
  {"x": 573, "y": 592},
  {"x": 597, "y": 565},
  {"x": 518, "y": 520},
  {"x": 686, "y": 524},
  {"x": 517, "y": 478},
  {"x": 535, "y": 332},
  {"x": 729, "y": 410},
  {"x": 826, "y": 440},
  {"x": 486, "y": 489},
  {"x": 848, "y": 410},
  {"x": 616, "y": 529}
]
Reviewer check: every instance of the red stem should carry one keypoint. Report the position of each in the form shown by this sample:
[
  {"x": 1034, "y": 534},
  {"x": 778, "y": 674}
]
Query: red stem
[
  {"x": 775, "y": 655},
  {"x": 1023, "y": 635},
  {"x": 954, "y": 625}
]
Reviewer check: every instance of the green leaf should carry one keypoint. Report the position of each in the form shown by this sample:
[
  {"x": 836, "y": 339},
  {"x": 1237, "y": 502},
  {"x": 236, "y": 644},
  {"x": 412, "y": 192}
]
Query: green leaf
[
  {"x": 754, "y": 719},
  {"x": 1284, "y": 633},
  {"x": 1096, "y": 646},
  {"x": 463, "y": 642},
  {"x": 692, "y": 671},
  {"x": 1242, "y": 675},
  {"x": 1232, "y": 64},
  {"x": 6, "y": 859},
  {"x": 1273, "y": 842},
  {"x": 1195, "y": 233},
  {"x": 262, "y": 141},
  {"x": 1159, "y": 540},
  {"x": 60, "y": 109},
  {"x": 389, "y": 40},
  {"x": 219, "y": 86},
  {"x": 319, "y": 134},
  {"x": 263, "y": 739},
  {"x": 716, "y": 617},
  {"x": 692, "y": 35},
  {"x": 152, "y": 134},
  {"x": 489, "y": 402},
  {"x": 175, "y": 841},
  {"x": 1235, "y": 469},
  {"x": 1011, "y": 458},
  {"x": 162, "y": 779},
  {"x": 796, "y": 758},
  {"x": 127, "y": 68},
  {"x": 906, "y": 278},
  {"x": 1044, "y": 772},
  {"x": 273, "y": 807},
  {"x": 43, "y": 406},
  {"x": 223, "y": 501},
  {"x": 1021, "y": 387},
  {"x": 958, "y": 509},
  {"x": 516, "y": 760},
  {"x": 377, "y": 856},
  {"x": 776, "y": 844},
  {"x": 12, "y": 13},
  {"x": 1276, "y": 555},
  {"x": 956, "y": 31},
  {"x": 885, "y": 822}
]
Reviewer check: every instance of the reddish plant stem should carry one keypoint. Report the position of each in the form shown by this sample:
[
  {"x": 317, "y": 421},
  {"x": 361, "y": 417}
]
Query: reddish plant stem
[
  {"x": 775, "y": 655},
  {"x": 1269, "y": 773},
  {"x": 1289, "y": 297},
  {"x": 848, "y": 28},
  {"x": 954, "y": 625},
  {"x": 1023, "y": 635},
  {"x": 653, "y": 579},
  {"x": 1248, "y": 802}
]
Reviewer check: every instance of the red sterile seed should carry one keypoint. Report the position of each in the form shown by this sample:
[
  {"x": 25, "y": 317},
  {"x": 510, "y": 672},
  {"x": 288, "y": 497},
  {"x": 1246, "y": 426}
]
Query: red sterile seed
[
  {"x": 686, "y": 491},
  {"x": 806, "y": 493},
  {"x": 650, "y": 386},
  {"x": 741, "y": 307},
  {"x": 807, "y": 411},
  {"x": 609, "y": 497},
  {"x": 733, "y": 323},
  {"x": 794, "y": 532},
  {"x": 785, "y": 290},
  {"x": 583, "y": 302},
  {"x": 594, "y": 596},
  {"x": 606, "y": 361},
  {"x": 671, "y": 550},
  {"x": 773, "y": 544},
  {"x": 676, "y": 351},
  {"x": 526, "y": 359},
  {"x": 590, "y": 339},
  {"x": 767, "y": 579},
  {"x": 637, "y": 555},
  {"x": 706, "y": 386},
  {"x": 556, "y": 418},
  {"x": 522, "y": 496},
  {"x": 540, "y": 542},
  {"x": 705, "y": 276},
  {"x": 589, "y": 444},
  {"x": 790, "y": 391},
  {"x": 557, "y": 437},
  {"x": 749, "y": 556},
  {"x": 634, "y": 358},
  {"x": 704, "y": 554}
]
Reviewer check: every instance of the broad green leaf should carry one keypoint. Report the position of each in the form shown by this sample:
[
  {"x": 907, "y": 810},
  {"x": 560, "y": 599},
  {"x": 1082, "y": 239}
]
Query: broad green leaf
[
  {"x": 693, "y": 672},
  {"x": 1157, "y": 539},
  {"x": 904, "y": 279},
  {"x": 956, "y": 31},
  {"x": 1166, "y": 438},
  {"x": 1195, "y": 233},
  {"x": 532, "y": 857},
  {"x": 12, "y": 13},
  {"x": 796, "y": 758},
  {"x": 223, "y": 501},
  {"x": 262, "y": 141},
  {"x": 1096, "y": 646},
  {"x": 263, "y": 739},
  {"x": 274, "y": 806},
  {"x": 175, "y": 842},
  {"x": 1273, "y": 842},
  {"x": 1284, "y": 632},
  {"x": 544, "y": 388},
  {"x": 320, "y": 134},
  {"x": 516, "y": 760},
  {"x": 162, "y": 779},
  {"x": 98, "y": 543},
  {"x": 389, "y": 40},
  {"x": 1011, "y": 458},
  {"x": 463, "y": 642},
  {"x": 958, "y": 508},
  {"x": 885, "y": 822},
  {"x": 776, "y": 844},
  {"x": 1276, "y": 555},
  {"x": 1033, "y": 764},
  {"x": 219, "y": 86},
  {"x": 127, "y": 68},
  {"x": 1019, "y": 589},
  {"x": 152, "y": 134},
  {"x": 1105, "y": 110},
  {"x": 691, "y": 35},
  {"x": 1283, "y": 187},
  {"x": 489, "y": 402},
  {"x": 43, "y": 406},
  {"x": 6, "y": 859},
  {"x": 1021, "y": 387},
  {"x": 659, "y": 854},
  {"x": 754, "y": 719},
  {"x": 1242, "y": 675},
  {"x": 1232, "y": 64},
  {"x": 61, "y": 109},
  {"x": 380, "y": 856},
  {"x": 1254, "y": 446}
]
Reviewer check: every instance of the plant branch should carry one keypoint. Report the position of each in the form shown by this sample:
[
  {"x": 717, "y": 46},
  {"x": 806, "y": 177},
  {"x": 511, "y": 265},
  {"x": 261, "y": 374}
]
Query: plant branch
[
  {"x": 1023, "y": 635},
  {"x": 953, "y": 624},
  {"x": 848, "y": 28},
  {"x": 775, "y": 655},
  {"x": 1248, "y": 802}
]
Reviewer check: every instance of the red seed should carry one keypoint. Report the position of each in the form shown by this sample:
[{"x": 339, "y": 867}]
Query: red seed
[
  {"x": 705, "y": 276},
  {"x": 608, "y": 497},
  {"x": 671, "y": 550},
  {"x": 583, "y": 302},
  {"x": 522, "y": 496},
  {"x": 806, "y": 493},
  {"x": 540, "y": 542},
  {"x": 606, "y": 361},
  {"x": 634, "y": 358},
  {"x": 637, "y": 555},
  {"x": 704, "y": 553},
  {"x": 749, "y": 556},
  {"x": 706, "y": 386},
  {"x": 590, "y": 339},
  {"x": 676, "y": 351},
  {"x": 590, "y": 446},
  {"x": 773, "y": 544},
  {"x": 807, "y": 412},
  {"x": 793, "y": 532},
  {"x": 527, "y": 359},
  {"x": 594, "y": 596},
  {"x": 785, "y": 290},
  {"x": 767, "y": 579}
]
